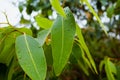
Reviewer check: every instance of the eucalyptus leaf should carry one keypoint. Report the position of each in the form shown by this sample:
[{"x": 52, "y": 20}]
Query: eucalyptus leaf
[
  {"x": 7, "y": 44},
  {"x": 62, "y": 35},
  {"x": 90, "y": 60},
  {"x": 43, "y": 22},
  {"x": 56, "y": 5},
  {"x": 79, "y": 55},
  {"x": 31, "y": 57},
  {"x": 42, "y": 35},
  {"x": 95, "y": 14}
]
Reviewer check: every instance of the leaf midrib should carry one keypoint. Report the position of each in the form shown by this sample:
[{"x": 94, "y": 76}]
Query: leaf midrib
[
  {"x": 30, "y": 54},
  {"x": 62, "y": 42}
]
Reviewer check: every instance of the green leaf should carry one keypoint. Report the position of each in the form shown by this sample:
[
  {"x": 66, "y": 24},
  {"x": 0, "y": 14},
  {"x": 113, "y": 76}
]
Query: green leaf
[
  {"x": 7, "y": 43},
  {"x": 110, "y": 11},
  {"x": 24, "y": 30},
  {"x": 11, "y": 68},
  {"x": 48, "y": 54},
  {"x": 101, "y": 65},
  {"x": 42, "y": 35},
  {"x": 56, "y": 5},
  {"x": 110, "y": 69},
  {"x": 79, "y": 55},
  {"x": 117, "y": 7},
  {"x": 43, "y": 22},
  {"x": 95, "y": 14},
  {"x": 31, "y": 57},
  {"x": 3, "y": 34},
  {"x": 63, "y": 32},
  {"x": 85, "y": 48},
  {"x": 118, "y": 72},
  {"x": 7, "y": 48}
]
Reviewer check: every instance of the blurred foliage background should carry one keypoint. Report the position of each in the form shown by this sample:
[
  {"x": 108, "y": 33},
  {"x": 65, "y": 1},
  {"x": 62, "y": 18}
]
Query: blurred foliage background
[{"x": 99, "y": 44}]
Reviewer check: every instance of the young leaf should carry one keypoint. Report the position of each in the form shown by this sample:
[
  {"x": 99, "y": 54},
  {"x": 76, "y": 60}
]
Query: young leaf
[
  {"x": 31, "y": 57},
  {"x": 94, "y": 13},
  {"x": 42, "y": 35},
  {"x": 56, "y": 5},
  {"x": 43, "y": 22},
  {"x": 85, "y": 48},
  {"x": 63, "y": 32},
  {"x": 101, "y": 65},
  {"x": 110, "y": 69}
]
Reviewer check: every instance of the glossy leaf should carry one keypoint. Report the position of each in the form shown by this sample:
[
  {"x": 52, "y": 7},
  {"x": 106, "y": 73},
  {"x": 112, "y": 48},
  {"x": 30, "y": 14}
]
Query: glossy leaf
[
  {"x": 85, "y": 48},
  {"x": 31, "y": 57},
  {"x": 63, "y": 32},
  {"x": 95, "y": 14},
  {"x": 43, "y": 22},
  {"x": 56, "y": 5},
  {"x": 42, "y": 35}
]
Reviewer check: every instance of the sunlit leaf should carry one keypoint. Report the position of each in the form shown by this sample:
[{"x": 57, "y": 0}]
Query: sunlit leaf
[
  {"x": 63, "y": 32},
  {"x": 95, "y": 14},
  {"x": 56, "y": 5},
  {"x": 110, "y": 69},
  {"x": 43, "y": 22},
  {"x": 85, "y": 48},
  {"x": 31, "y": 57}
]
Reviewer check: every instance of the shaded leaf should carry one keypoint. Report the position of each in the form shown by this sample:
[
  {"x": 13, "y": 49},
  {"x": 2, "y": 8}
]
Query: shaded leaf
[
  {"x": 110, "y": 11},
  {"x": 117, "y": 7},
  {"x": 42, "y": 35},
  {"x": 78, "y": 53},
  {"x": 8, "y": 43},
  {"x": 101, "y": 65},
  {"x": 48, "y": 54}
]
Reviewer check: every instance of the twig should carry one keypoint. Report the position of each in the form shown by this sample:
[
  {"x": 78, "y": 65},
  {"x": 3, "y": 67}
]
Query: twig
[
  {"x": 6, "y": 19},
  {"x": 3, "y": 23}
]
